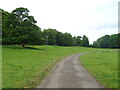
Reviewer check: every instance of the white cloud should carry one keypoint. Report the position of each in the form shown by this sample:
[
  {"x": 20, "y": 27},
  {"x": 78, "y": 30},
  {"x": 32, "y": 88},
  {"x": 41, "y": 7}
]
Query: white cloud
[{"x": 78, "y": 17}]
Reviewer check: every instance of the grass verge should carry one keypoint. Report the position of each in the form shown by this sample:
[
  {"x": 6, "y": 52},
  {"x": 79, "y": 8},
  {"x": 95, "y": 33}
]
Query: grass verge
[{"x": 103, "y": 65}]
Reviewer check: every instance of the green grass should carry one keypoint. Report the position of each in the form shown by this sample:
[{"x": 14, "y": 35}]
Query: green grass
[
  {"x": 103, "y": 66},
  {"x": 27, "y": 67}
]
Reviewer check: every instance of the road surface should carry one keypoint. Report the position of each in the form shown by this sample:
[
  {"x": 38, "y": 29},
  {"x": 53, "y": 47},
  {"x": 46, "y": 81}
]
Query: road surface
[{"x": 69, "y": 73}]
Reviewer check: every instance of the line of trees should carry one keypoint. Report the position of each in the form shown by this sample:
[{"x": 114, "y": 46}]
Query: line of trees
[
  {"x": 19, "y": 28},
  {"x": 108, "y": 41}
]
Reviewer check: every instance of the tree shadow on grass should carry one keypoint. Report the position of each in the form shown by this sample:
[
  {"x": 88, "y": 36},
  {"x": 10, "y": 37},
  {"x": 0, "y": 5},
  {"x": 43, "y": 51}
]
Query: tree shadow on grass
[
  {"x": 33, "y": 48},
  {"x": 20, "y": 47}
]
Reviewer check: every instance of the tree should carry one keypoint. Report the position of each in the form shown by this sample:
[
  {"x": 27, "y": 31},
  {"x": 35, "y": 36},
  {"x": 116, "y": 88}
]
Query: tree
[
  {"x": 0, "y": 27},
  {"x": 105, "y": 41},
  {"x": 5, "y": 30},
  {"x": 52, "y": 35},
  {"x": 95, "y": 44},
  {"x": 68, "y": 41},
  {"x": 75, "y": 41},
  {"x": 22, "y": 27},
  {"x": 85, "y": 41},
  {"x": 60, "y": 40},
  {"x": 114, "y": 41},
  {"x": 79, "y": 41},
  {"x": 108, "y": 41}
]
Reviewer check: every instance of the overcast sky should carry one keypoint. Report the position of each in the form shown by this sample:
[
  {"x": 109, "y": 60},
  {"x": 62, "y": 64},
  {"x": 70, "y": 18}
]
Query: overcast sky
[{"x": 93, "y": 18}]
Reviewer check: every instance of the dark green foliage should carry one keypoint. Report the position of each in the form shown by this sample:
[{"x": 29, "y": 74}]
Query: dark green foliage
[
  {"x": 95, "y": 44},
  {"x": 85, "y": 41},
  {"x": 60, "y": 39},
  {"x": 104, "y": 41},
  {"x": 0, "y": 26},
  {"x": 68, "y": 39},
  {"x": 79, "y": 41},
  {"x": 108, "y": 41},
  {"x": 21, "y": 28},
  {"x": 114, "y": 41},
  {"x": 5, "y": 30},
  {"x": 51, "y": 34},
  {"x": 74, "y": 41}
]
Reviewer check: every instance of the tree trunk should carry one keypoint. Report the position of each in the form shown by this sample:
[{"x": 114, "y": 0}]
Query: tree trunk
[{"x": 23, "y": 45}]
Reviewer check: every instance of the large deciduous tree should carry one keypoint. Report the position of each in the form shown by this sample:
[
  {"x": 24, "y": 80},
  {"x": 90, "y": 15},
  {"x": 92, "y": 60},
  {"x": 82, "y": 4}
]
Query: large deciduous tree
[{"x": 22, "y": 27}]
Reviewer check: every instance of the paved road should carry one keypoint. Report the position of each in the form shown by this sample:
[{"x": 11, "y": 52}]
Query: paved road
[{"x": 69, "y": 73}]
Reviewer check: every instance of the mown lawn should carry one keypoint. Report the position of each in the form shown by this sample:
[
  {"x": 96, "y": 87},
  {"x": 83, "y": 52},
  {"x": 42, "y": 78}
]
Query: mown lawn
[
  {"x": 27, "y": 67},
  {"x": 103, "y": 65}
]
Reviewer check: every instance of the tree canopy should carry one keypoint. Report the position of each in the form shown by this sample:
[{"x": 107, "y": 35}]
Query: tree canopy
[
  {"x": 18, "y": 27},
  {"x": 85, "y": 41},
  {"x": 108, "y": 41}
]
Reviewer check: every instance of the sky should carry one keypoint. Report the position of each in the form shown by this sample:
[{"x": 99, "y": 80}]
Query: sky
[{"x": 93, "y": 18}]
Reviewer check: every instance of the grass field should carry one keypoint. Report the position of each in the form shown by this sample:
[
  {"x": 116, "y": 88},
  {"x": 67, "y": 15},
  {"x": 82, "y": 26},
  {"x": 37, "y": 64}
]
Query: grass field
[
  {"x": 103, "y": 66},
  {"x": 27, "y": 67}
]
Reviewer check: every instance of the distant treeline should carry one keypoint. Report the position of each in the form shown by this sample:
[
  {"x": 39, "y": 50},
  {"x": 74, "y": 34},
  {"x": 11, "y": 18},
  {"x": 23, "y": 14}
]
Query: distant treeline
[
  {"x": 108, "y": 41},
  {"x": 18, "y": 28}
]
